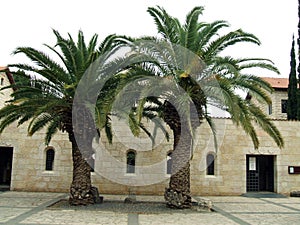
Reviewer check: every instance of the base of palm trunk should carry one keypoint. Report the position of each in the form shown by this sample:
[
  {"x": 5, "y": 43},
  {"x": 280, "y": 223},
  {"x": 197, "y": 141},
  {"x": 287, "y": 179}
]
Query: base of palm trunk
[
  {"x": 177, "y": 199},
  {"x": 81, "y": 196}
]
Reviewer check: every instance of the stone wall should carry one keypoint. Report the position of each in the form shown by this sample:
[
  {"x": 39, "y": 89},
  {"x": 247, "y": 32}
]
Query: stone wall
[
  {"x": 150, "y": 177},
  {"x": 276, "y": 98},
  {"x": 29, "y": 155}
]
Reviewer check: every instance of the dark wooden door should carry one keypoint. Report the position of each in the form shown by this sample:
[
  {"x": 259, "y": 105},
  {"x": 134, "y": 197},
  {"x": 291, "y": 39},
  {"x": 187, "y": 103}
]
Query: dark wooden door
[
  {"x": 260, "y": 173},
  {"x": 6, "y": 156}
]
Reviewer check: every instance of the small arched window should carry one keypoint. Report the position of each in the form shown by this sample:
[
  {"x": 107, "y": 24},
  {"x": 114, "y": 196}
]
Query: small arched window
[
  {"x": 210, "y": 164},
  {"x": 50, "y": 153},
  {"x": 131, "y": 162},
  {"x": 169, "y": 163},
  {"x": 2, "y": 81}
]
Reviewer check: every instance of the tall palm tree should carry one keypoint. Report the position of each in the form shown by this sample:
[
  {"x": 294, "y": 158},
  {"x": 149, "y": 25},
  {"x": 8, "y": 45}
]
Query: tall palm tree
[
  {"x": 46, "y": 101},
  {"x": 204, "y": 40}
]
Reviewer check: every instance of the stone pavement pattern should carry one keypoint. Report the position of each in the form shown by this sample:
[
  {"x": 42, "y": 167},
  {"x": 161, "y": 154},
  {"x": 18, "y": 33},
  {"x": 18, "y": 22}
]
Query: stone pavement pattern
[{"x": 24, "y": 208}]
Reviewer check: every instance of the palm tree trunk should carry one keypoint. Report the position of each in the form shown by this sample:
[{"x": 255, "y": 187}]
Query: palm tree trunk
[
  {"x": 80, "y": 190},
  {"x": 178, "y": 194}
]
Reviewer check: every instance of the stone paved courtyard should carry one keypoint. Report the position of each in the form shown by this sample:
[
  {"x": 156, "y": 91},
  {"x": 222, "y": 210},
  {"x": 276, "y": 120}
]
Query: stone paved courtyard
[{"x": 32, "y": 208}]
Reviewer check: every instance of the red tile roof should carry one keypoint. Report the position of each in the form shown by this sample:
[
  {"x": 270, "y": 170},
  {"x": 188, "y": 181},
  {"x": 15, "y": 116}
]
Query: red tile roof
[{"x": 277, "y": 82}]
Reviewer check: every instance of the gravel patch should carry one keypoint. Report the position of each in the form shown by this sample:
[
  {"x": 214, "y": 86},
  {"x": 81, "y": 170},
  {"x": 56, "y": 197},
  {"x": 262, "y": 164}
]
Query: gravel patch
[{"x": 139, "y": 207}]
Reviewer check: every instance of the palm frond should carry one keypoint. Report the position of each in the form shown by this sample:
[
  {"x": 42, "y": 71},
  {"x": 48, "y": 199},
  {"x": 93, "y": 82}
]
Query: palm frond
[
  {"x": 108, "y": 130},
  {"x": 191, "y": 29},
  {"x": 166, "y": 25},
  {"x": 213, "y": 129},
  {"x": 8, "y": 120},
  {"x": 38, "y": 123},
  {"x": 206, "y": 32},
  {"x": 266, "y": 124},
  {"x": 43, "y": 62},
  {"x": 229, "y": 39},
  {"x": 68, "y": 49},
  {"x": 53, "y": 127}
]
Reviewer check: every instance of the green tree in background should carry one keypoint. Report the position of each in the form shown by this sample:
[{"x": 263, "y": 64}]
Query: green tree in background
[
  {"x": 292, "y": 87},
  {"x": 298, "y": 70}
]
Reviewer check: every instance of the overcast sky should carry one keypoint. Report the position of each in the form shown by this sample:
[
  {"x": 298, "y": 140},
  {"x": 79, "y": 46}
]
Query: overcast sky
[{"x": 29, "y": 23}]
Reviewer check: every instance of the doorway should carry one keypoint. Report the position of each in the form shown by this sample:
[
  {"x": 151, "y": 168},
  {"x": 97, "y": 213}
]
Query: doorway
[
  {"x": 260, "y": 173},
  {"x": 6, "y": 156}
]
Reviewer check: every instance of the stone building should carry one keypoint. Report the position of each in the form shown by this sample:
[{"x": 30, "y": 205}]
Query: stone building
[
  {"x": 277, "y": 110},
  {"x": 142, "y": 165}
]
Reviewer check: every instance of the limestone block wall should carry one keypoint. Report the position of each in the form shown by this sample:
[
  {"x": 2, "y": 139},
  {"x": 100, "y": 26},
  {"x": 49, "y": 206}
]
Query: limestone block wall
[
  {"x": 29, "y": 174},
  {"x": 276, "y": 104},
  {"x": 29, "y": 159},
  {"x": 230, "y": 162},
  {"x": 150, "y": 175},
  {"x": 230, "y": 175},
  {"x": 276, "y": 98},
  {"x": 289, "y": 156},
  {"x": 230, "y": 165},
  {"x": 28, "y": 166}
]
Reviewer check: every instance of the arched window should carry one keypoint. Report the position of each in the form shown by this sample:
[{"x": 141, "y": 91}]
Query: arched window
[
  {"x": 131, "y": 162},
  {"x": 2, "y": 81},
  {"x": 49, "y": 159},
  {"x": 169, "y": 163},
  {"x": 210, "y": 164}
]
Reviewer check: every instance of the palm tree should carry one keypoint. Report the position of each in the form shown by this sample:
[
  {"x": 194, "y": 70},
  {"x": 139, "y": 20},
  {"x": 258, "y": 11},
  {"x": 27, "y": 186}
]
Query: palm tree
[
  {"x": 203, "y": 40},
  {"x": 46, "y": 101}
]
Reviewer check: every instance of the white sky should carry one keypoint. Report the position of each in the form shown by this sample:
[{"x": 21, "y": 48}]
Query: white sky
[{"x": 28, "y": 23}]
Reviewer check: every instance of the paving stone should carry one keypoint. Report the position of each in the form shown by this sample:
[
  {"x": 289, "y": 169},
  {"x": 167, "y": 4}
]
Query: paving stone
[
  {"x": 22, "y": 202},
  {"x": 184, "y": 219},
  {"x": 24, "y": 208},
  {"x": 76, "y": 217},
  {"x": 243, "y": 207},
  {"x": 7, "y": 214},
  {"x": 271, "y": 218}
]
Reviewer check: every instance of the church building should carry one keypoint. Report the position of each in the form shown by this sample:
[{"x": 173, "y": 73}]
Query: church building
[{"x": 139, "y": 165}]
